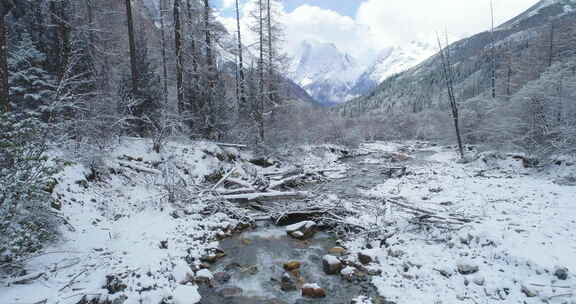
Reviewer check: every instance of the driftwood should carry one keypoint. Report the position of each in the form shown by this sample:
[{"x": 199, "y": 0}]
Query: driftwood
[
  {"x": 429, "y": 216},
  {"x": 27, "y": 279},
  {"x": 138, "y": 168},
  {"x": 266, "y": 196},
  {"x": 286, "y": 181},
  {"x": 227, "y": 145},
  {"x": 235, "y": 191},
  {"x": 224, "y": 178},
  {"x": 240, "y": 183}
]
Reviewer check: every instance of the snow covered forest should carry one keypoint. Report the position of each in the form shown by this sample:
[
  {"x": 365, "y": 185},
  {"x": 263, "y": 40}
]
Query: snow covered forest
[{"x": 158, "y": 152}]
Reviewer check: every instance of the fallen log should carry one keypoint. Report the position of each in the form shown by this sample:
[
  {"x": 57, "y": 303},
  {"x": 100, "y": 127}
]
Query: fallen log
[
  {"x": 235, "y": 191},
  {"x": 228, "y": 145},
  {"x": 224, "y": 178},
  {"x": 27, "y": 279},
  {"x": 240, "y": 182},
  {"x": 427, "y": 214},
  {"x": 139, "y": 168},
  {"x": 286, "y": 181},
  {"x": 266, "y": 196}
]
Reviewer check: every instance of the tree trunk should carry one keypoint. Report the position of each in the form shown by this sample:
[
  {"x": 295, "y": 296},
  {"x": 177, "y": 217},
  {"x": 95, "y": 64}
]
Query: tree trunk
[
  {"x": 241, "y": 82},
  {"x": 210, "y": 64},
  {"x": 132, "y": 44},
  {"x": 261, "y": 71},
  {"x": 164, "y": 63},
  {"x": 493, "y": 52},
  {"x": 178, "y": 48},
  {"x": 448, "y": 77},
  {"x": 271, "y": 89},
  {"x": 4, "y": 92},
  {"x": 194, "y": 79}
]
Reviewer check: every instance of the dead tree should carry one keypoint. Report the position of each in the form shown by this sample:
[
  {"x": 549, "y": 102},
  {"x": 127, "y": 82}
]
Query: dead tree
[
  {"x": 241, "y": 80},
  {"x": 164, "y": 59},
  {"x": 493, "y": 51},
  {"x": 449, "y": 79},
  {"x": 178, "y": 49},
  {"x": 132, "y": 44}
]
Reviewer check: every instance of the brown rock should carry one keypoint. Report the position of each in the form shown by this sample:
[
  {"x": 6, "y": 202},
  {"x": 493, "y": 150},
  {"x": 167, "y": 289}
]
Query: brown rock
[
  {"x": 313, "y": 291},
  {"x": 292, "y": 265},
  {"x": 339, "y": 251}
]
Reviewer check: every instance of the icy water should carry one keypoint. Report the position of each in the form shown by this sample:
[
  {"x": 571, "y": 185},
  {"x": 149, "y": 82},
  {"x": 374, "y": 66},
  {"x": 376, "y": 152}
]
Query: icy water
[{"x": 255, "y": 262}]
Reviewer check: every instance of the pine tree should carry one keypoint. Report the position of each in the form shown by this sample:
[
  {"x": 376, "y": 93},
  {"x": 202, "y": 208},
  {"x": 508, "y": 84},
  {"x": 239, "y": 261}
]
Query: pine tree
[{"x": 31, "y": 87}]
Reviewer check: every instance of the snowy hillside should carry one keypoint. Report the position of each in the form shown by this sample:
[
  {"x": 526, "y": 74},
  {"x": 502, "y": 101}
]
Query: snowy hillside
[{"x": 324, "y": 71}]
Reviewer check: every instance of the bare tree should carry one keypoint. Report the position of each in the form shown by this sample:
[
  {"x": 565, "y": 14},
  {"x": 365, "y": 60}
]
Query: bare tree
[
  {"x": 132, "y": 44},
  {"x": 449, "y": 79},
  {"x": 493, "y": 51},
  {"x": 164, "y": 59},
  {"x": 240, "y": 74},
  {"x": 179, "y": 56}
]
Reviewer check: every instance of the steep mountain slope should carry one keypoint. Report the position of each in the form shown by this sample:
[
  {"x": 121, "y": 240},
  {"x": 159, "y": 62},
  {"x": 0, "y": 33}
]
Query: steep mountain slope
[
  {"x": 324, "y": 71},
  {"x": 391, "y": 61},
  {"x": 525, "y": 47}
]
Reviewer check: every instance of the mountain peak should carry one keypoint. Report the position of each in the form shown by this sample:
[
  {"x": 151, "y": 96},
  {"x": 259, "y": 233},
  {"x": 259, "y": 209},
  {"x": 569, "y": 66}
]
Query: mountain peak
[{"x": 324, "y": 71}]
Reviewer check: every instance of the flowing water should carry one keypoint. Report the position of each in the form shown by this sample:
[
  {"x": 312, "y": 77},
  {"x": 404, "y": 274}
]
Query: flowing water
[
  {"x": 255, "y": 262},
  {"x": 255, "y": 259}
]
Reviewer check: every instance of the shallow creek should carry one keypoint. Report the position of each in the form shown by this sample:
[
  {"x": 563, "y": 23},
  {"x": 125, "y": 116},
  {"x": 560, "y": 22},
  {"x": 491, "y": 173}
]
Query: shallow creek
[
  {"x": 254, "y": 259},
  {"x": 255, "y": 262}
]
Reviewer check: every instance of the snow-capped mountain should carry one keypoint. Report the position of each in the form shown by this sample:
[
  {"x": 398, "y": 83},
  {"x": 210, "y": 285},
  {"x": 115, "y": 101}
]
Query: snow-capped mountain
[
  {"x": 334, "y": 77},
  {"x": 390, "y": 61},
  {"x": 325, "y": 72}
]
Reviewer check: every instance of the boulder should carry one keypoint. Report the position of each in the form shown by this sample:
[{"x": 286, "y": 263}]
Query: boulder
[
  {"x": 365, "y": 258},
  {"x": 213, "y": 257},
  {"x": 348, "y": 273},
  {"x": 529, "y": 292},
  {"x": 466, "y": 269},
  {"x": 287, "y": 283},
  {"x": 292, "y": 265},
  {"x": 204, "y": 276},
  {"x": 338, "y": 251},
  {"x": 222, "y": 277},
  {"x": 313, "y": 291},
  {"x": 331, "y": 264},
  {"x": 561, "y": 273},
  {"x": 479, "y": 280},
  {"x": 302, "y": 230}
]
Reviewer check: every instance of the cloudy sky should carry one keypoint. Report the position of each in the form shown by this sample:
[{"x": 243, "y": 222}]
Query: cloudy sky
[{"x": 363, "y": 27}]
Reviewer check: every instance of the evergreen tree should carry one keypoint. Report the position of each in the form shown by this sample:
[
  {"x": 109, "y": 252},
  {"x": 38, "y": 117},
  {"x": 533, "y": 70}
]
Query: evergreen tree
[{"x": 31, "y": 87}]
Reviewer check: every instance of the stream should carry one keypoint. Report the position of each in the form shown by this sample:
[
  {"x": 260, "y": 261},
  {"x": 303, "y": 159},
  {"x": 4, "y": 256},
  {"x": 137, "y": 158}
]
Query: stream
[{"x": 253, "y": 265}]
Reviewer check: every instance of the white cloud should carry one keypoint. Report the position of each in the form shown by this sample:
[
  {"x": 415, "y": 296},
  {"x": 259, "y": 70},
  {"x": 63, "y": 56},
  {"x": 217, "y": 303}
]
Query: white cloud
[
  {"x": 379, "y": 24},
  {"x": 313, "y": 23},
  {"x": 226, "y": 4},
  {"x": 397, "y": 22}
]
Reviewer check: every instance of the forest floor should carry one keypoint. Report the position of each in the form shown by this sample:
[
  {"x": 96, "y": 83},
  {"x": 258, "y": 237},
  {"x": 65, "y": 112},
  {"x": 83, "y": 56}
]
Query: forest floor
[{"x": 124, "y": 241}]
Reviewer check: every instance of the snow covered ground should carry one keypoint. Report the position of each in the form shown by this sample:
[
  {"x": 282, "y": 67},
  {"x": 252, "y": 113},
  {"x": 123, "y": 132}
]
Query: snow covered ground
[
  {"x": 517, "y": 249},
  {"x": 124, "y": 240}
]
